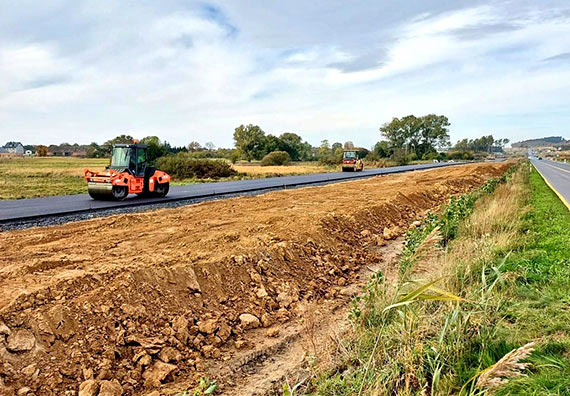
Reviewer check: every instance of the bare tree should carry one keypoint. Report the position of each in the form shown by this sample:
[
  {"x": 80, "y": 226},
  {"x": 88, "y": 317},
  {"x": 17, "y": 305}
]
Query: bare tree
[{"x": 194, "y": 146}]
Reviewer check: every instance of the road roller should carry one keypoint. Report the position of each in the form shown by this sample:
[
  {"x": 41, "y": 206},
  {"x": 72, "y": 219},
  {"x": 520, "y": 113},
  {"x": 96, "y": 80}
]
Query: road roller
[
  {"x": 128, "y": 173},
  {"x": 351, "y": 161}
]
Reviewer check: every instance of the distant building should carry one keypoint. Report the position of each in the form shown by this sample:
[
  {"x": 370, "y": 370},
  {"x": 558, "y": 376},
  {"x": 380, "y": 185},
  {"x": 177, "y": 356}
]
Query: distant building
[
  {"x": 14, "y": 148},
  {"x": 66, "y": 150}
]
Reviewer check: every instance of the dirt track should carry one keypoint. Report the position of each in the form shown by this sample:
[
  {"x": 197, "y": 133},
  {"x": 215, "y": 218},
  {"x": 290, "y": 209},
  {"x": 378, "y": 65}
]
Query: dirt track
[{"x": 155, "y": 298}]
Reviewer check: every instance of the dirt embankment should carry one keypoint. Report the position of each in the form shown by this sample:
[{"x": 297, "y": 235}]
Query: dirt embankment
[{"x": 132, "y": 302}]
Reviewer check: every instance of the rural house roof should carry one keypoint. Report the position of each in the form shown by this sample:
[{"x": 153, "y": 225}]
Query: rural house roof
[{"x": 13, "y": 145}]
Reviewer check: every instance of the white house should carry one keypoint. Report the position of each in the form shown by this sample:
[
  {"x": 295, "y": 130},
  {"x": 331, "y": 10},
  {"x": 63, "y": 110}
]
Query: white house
[{"x": 14, "y": 148}]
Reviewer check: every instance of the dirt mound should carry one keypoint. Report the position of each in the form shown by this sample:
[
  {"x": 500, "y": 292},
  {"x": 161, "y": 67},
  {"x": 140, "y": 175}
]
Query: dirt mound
[{"x": 131, "y": 302}]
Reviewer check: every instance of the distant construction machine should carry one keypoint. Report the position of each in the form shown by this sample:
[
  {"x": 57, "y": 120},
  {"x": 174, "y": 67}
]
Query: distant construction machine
[
  {"x": 129, "y": 173},
  {"x": 351, "y": 161}
]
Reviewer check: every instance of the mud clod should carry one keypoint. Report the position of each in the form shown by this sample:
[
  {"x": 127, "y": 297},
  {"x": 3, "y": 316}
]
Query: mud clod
[
  {"x": 110, "y": 388},
  {"x": 4, "y": 330},
  {"x": 158, "y": 373},
  {"x": 273, "y": 332},
  {"x": 89, "y": 388},
  {"x": 248, "y": 321},
  {"x": 208, "y": 326},
  {"x": 20, "y": 341}
]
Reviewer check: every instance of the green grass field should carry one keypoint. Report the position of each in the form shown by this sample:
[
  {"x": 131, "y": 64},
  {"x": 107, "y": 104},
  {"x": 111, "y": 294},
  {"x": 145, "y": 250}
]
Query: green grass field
[
  {"x": 502, "y": 282},
  {"x": 40, "y": 177}
]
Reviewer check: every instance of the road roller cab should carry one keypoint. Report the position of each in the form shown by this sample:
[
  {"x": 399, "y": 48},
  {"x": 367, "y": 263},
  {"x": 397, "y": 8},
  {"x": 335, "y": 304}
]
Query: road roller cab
[
  {"x": 351, "y": 161},
  {"x": 128, "y": 173}
]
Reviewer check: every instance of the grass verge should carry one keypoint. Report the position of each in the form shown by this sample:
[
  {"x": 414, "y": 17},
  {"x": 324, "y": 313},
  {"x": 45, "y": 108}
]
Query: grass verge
[{"x": 493, "y": 275}]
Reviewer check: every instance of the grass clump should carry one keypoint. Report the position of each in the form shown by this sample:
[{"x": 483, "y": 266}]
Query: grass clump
[{"x": 464, "y": 320}]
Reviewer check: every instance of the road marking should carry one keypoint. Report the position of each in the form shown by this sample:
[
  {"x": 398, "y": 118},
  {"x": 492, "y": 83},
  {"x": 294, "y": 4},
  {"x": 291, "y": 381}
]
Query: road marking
[
  {"x": 555, "y": 167},
  {"x": 552, "y": 188}
]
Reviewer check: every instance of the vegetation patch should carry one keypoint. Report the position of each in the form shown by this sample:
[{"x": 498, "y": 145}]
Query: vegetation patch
[
  {"x": 181, "y": 166},
  {"x": 481, "y": 307},
  {"x": 276, "y": 158}
]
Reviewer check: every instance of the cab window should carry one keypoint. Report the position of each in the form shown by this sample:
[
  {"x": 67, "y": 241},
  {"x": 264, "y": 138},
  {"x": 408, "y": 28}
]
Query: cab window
[
  {"x": 349, "y": 155},
  {"x": 141, "y": 162},
  {"x": 121, "y": 157}
]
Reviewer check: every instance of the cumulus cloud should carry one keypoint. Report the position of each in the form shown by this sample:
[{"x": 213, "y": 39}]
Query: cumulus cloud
[{"x": 89, "y": 70}]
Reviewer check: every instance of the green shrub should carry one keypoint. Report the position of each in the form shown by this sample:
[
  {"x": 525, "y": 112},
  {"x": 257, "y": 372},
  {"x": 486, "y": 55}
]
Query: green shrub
[
  {"x": 372, "y": 157},
  {"x": 460, "y": 155},
  {"x": 234, "y": 156},
  {"x": 400, "y": 157},
  {"x": 182, "y": 166},
  {"x": 276, "y": 158}
]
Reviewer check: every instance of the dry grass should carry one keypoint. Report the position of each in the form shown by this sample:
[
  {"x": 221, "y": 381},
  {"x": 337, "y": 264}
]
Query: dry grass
[
  {"x": 501, "y": 211},
  {"x": 492, "y": 227},
  {"x": 295, "y": 169},
  {"x": 508, "y": 367},
  {"x": 429, "y": 249}
]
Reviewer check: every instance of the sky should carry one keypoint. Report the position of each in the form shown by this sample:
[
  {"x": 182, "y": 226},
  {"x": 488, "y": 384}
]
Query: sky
[{"x": 80, "y": 71}]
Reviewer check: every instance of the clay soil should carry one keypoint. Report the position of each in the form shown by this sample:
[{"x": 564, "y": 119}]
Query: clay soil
[{"x": 155, "y": 301}]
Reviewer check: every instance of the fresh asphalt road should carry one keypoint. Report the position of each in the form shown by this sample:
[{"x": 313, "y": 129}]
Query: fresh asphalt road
[
  {"x": 22, "y": 209},
  {"x": 557, "y": 174}
]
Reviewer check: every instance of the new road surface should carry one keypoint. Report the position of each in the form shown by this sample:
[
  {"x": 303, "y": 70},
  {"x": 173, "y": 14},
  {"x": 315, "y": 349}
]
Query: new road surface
[
  {"x": 26, "y": 209},
  {"x": 557, "y": 175}
]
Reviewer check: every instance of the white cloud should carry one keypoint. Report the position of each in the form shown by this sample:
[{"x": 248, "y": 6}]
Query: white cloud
[{"x": 185, "y": 73}]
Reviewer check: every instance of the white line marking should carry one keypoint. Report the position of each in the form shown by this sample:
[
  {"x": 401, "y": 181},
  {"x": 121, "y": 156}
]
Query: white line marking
[{"x": 555, "y": 167}]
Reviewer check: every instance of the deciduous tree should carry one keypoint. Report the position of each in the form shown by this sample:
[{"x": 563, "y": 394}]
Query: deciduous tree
[
  {"x": 418, "y": 135},
  {"x": 194, "y": 146},
  {"x": 156, "y": 148},
  {"x": 250, "y": 141},
  {"x": 41, "y": 151}
]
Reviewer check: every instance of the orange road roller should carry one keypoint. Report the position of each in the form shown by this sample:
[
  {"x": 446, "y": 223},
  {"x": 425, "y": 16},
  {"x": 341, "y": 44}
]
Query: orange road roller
[{"x": 129, "y": 173}]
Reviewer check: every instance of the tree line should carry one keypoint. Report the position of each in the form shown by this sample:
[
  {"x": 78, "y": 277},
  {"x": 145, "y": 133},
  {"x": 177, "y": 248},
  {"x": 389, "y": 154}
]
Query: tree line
[
  {"x": 483, "y": 144},
  {"x": 402, "y": 140}
]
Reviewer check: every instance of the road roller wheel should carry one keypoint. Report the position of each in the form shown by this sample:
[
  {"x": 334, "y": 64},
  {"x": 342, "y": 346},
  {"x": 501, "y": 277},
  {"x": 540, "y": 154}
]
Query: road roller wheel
[
  {"x": 99, "y": 197},
  {"x": 160, "y": 190},
  {"x": 120, "y": 192}
]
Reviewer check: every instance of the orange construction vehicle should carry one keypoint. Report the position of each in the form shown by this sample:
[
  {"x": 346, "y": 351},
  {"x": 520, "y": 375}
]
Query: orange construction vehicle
[{"x": 129, "y": 173}]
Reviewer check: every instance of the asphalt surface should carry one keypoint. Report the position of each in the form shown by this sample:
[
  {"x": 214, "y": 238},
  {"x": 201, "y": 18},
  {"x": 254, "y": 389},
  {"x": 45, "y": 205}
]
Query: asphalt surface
[
  {"x": 558, "y": 175},
  {"x": 36, "y": 208}
]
